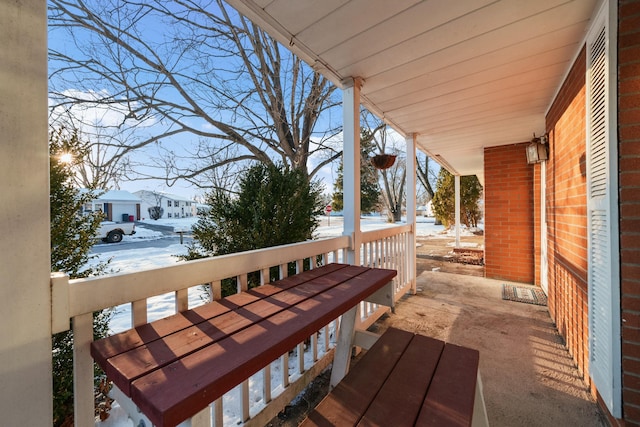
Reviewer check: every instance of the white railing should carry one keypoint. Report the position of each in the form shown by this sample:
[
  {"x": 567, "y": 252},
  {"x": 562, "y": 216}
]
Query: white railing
[{"x": 76, "y": 300}]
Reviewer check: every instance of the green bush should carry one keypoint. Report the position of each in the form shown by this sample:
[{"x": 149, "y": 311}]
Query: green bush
[
  {"x": 369, "y": 186},
  {"x": 443, "y": 202},
  {"x": 274, "y": 206}
]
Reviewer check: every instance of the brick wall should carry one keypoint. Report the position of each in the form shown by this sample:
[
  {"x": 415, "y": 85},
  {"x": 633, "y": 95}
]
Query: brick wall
[
  {"x": 509, "y": 216},
  {"x": 629, "y": 179},
  {"x": 566, "y": 214}
]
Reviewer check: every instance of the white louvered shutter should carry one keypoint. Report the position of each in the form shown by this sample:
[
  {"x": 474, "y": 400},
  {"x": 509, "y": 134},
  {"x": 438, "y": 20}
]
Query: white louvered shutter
[{"x": 602, "y": 184}]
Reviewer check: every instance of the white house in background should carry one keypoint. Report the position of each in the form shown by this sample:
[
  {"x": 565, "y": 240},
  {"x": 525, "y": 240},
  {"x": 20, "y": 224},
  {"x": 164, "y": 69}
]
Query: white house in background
[
  {"x": 173, "y": 206},
  {"x": 425, "y": 210},
  {"x": 117, "y": 205}
]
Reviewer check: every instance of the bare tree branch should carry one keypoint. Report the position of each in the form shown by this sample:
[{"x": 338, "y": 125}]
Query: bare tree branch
[
  {"x": 425, "y": 175},
  {"x": 171, "y": 71}
]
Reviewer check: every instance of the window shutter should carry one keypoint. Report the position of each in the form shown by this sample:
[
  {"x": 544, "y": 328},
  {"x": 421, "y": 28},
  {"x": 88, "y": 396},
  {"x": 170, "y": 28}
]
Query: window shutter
[{"x": 604, "y": 281}]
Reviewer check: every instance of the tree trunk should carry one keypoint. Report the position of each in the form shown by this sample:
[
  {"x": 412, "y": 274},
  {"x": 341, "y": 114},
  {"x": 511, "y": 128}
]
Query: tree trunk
[{"x": 397, "y": 213}]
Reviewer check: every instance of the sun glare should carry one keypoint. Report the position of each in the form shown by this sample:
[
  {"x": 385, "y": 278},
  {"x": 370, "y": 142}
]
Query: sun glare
[{"x": 66, "y": 158}]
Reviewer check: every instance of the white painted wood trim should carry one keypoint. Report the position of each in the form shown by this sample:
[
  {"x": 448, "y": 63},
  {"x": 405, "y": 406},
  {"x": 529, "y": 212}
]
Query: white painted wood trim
[
  {"x": 456, "y": 181},
  {"x": 412, "y": 192},
  {"x": 351, "y": 168},
  {"x": 605, "y": 353},
  {"x": 83, "y": 370},
  {"x": 59, "y": 302}
]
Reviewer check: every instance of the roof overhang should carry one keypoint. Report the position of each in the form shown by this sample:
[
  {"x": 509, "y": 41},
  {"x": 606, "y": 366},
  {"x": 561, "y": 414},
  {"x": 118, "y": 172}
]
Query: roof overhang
[{"x": 460, "y": 75}]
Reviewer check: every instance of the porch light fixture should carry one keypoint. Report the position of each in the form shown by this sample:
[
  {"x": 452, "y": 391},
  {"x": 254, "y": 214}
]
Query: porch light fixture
[{"x": 537, "y": 150}]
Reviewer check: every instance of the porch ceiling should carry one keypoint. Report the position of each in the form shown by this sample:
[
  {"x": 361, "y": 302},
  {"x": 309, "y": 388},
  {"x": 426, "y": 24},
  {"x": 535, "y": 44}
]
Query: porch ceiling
[{"x": 461, "y": 75}]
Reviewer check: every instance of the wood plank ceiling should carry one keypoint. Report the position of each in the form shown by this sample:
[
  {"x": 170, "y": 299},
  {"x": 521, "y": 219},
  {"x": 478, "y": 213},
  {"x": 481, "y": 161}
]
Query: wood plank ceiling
[{"x": 460, "y": 74}]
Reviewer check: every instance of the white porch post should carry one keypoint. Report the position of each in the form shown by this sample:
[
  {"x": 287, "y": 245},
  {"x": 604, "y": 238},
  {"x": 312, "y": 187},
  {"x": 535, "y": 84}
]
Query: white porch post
[
  {"x": 457, "y": 209},
  {"x": 25, "y": 330},
  {"x": 351, "y": 167},
  {"x": 411, "y": 209}
]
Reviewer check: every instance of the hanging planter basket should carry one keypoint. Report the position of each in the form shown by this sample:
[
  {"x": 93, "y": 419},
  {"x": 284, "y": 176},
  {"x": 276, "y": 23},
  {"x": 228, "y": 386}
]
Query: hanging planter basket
[{"x": 383, "y": 161}]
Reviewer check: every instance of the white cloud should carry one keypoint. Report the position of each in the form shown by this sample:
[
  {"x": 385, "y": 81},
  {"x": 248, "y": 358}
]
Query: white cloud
[{"x": 91, "y": 113}]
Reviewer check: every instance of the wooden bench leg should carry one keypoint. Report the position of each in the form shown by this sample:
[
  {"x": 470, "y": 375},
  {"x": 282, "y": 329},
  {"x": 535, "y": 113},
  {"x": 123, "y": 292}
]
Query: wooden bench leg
[
  {"x": 342, "y": 355},
  {"x": 480, "y": 418},
  {"x": 384, "y": 296},
  {"x": 347, "y": 336}
]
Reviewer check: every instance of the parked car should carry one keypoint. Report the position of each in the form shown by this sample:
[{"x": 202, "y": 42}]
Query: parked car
[{"x": 112, "y": 232}]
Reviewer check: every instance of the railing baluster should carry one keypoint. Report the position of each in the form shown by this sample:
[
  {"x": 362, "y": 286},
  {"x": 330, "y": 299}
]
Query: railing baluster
[
  {"x": 266, "y": 388},
  {"x": 244, "y": 399},
  {"x": 215, "y": 290},
  {"x": 218, "y": 414},
  {"x": 314, "y": 346},
  {"x": 326, "y": 338},
  {"x": 201, "y": 419},
  {"x": 139, "y": 312},
  {"x": 301, "y": 358},
  {"x": 243, "y": 283},
  {"x": 83, "y": 370},
  {"x": 285, "y": 370},
  {"x": 182, "y": 300}
]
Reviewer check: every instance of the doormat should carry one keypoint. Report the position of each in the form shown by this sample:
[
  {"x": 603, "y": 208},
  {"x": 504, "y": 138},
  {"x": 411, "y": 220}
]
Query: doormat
[{"x": 527, "y": 295}]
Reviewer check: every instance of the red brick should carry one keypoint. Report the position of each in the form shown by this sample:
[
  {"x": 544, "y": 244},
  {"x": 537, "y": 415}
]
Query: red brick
[
  {"x": 631, "y": 303},
  {"x": 630, "y": 179},
  {"x": 629, "y": 117},
  {"x": 629, "y": 86},
  {"x": 628, "y": 8},
  {"x": 628, "y": 39},
  {"x": 631, "y": 381},
  {"x": 629, "y": 101},
  {"x": 631, "y": 365},
  {"x": 629, "y": 24},
  {"x": 628, "y": 148},
  {"x": 631, "y": 415},
  {"x": 629, "y": 163}
]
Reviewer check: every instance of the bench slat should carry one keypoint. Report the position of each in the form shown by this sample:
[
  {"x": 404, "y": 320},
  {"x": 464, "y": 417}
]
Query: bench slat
[
  {"x": 404, "y": 380},
  {"x": 450, "y": 399},
  {"x": 179, "y": 390},
  {"x": 347, "y": 402},
  {"x": 400, "y": 398},
  {"x": 108, "y": 347},
  {"x": 126, "y": 367}
]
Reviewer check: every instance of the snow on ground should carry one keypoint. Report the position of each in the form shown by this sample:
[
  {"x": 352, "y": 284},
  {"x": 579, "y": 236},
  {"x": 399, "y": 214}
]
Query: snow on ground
[
  {"x": 133, "y": 260},
  {"x": 128, "y": 260}
]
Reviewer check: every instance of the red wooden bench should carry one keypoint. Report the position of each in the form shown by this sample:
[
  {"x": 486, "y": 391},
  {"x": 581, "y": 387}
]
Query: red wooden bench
[
  {"x": 174, "y": 367},
  {"x": 407, "y": 379}
]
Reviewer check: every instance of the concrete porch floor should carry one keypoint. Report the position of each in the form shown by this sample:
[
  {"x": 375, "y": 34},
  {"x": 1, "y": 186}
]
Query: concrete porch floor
[{"x": 528, "y": 376}]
